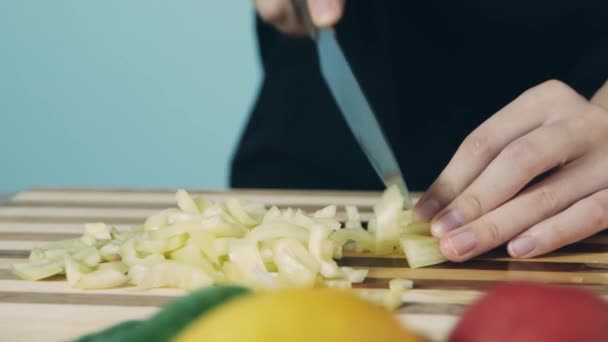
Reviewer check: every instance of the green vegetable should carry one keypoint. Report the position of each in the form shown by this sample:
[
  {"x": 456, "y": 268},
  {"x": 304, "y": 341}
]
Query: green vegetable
[
  {"x": 389, "y": 218},
  {"x": 98, "y": 231},
  {"x": 363, "y": 239},
  {"x": 421, "y": 250},
  {"x": 38, "y": 269},
  {"x": 353, "y": 219},
  {"x": 327, "y": 265},
  {"x": 74, "y": 271},
  {"x": 203, "y": 243},
  {"x": 185, "y": 202},
  {"x": 245, "y": 256},
  {"x": 115, "y": 265},
  {"x": 167, "y": 323},
  {"x": 173, "y": 274},
  {"x": 190, "y": 254},
  {"x": 111, "y": 251},
  {"x": 240, "y": 214},
  {"x": 104, "y": 278},
  {"x": 296, "y": 266}
]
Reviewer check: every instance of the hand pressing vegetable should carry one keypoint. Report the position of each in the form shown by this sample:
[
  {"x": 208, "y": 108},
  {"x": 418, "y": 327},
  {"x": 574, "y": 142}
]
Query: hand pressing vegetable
[{"x": 534, "y": 175}]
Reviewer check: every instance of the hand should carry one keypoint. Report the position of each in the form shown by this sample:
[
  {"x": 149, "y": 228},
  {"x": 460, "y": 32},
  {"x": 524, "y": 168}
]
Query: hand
[
  {"x": 535, "y": 174},
  {"x": 281, "y": 14}
]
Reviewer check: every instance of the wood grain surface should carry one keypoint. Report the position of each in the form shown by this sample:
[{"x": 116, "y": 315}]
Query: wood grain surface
[{"x": 51, "y": 311}]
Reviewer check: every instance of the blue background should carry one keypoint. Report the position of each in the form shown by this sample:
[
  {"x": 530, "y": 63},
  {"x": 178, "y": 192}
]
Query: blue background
[{"x": 123, "y": 93}]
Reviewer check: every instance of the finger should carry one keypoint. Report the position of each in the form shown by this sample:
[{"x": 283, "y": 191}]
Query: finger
[
  {"x": 516, "y": 165},
  {"x": 583, "y": 219},
  {"x": 326, "y": 13},
  {"x": 526, "y": 113},
  {"x": 572, "y": 183},
  {"x": 281, "y": 14}
]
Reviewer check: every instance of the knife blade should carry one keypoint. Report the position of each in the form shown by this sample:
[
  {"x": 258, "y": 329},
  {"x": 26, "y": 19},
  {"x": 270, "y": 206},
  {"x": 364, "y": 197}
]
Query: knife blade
[{"x": 351, "y": 101}]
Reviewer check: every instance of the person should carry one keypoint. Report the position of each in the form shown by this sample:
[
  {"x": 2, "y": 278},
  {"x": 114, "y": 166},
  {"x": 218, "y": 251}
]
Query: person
[{"x": 499, "y": 110}]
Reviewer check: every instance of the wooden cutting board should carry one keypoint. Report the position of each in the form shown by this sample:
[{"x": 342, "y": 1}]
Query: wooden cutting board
[{"x": 51, "y": 311}]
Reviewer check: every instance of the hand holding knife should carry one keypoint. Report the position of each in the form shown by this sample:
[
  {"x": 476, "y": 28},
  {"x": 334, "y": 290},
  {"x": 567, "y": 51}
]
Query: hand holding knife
[{"x": 352, "y": 102}]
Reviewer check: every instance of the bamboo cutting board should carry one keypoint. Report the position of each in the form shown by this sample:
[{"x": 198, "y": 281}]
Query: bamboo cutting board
[{"x": 51, "y": 311}]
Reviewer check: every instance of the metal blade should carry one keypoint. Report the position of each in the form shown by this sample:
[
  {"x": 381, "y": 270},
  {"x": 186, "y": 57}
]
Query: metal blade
[{"x": 357, "y": 111}]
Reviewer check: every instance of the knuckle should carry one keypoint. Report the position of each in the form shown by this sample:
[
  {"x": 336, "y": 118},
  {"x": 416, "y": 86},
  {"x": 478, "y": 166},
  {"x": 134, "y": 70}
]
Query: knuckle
[
  {"x": 598, "y": 212},
  {"x": 548, "y": 202},
  {"x": 530, "y": 101},
  {"x": 523, "y": 155},
  {"x": 552, "y": 92},
  {"x": 492, "y": 231},
  {"x": 555, "y": 87},
  {"x": 580, "y": 123},
  {"x": 442, "y": 190},
  {"x": 594, "y": 122},
  {"x": 271, "y": 12},
  {"x": 478, "y": 144},
  {"x": 471, "y": 204},
  {"x": 586, "y": 128}
]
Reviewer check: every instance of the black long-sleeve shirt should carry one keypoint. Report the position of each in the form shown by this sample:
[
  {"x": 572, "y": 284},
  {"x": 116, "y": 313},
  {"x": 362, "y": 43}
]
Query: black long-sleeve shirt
[{"x": 432, "y": 71}]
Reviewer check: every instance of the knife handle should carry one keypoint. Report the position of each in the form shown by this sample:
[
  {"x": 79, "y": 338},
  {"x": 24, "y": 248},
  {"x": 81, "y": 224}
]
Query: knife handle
[{"x": 301, "y": 8}]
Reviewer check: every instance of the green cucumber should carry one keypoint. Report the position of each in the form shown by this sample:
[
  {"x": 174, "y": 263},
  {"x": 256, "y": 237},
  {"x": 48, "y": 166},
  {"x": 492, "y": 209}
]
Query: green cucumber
[{"x": 172, "y": 318}]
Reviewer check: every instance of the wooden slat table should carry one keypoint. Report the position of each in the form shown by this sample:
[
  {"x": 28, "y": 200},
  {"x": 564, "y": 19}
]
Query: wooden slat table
[{"x": 51, "y": 311}]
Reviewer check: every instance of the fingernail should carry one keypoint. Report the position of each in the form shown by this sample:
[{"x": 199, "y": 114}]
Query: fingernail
[
  {"x": 462, "y": 243},
  {"x": 323, "y": 11},
  {"x": 427, "y": 209},
  {"x": 522, "y": 246},
  {"x": 448, "y": 221}
]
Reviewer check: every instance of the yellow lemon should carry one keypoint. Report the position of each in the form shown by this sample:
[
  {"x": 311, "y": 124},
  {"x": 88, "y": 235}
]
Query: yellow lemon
[{"x": 298, "y": 315}]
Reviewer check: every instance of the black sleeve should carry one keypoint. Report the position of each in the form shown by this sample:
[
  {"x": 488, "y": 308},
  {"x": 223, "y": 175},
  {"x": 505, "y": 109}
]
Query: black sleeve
[
  {"x": 295, "y": 136},
  {"x": 430, "y": 74},
  {"x": 591, "y": 70}
]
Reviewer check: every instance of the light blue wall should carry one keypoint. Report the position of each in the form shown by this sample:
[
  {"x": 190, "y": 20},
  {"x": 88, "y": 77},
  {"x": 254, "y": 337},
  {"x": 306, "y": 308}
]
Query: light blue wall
[{"x": 123, "y": 93}]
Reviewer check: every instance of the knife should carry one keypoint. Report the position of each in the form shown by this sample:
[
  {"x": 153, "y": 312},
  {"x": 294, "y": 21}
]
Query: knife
[{"x": 352, "y": 102}]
